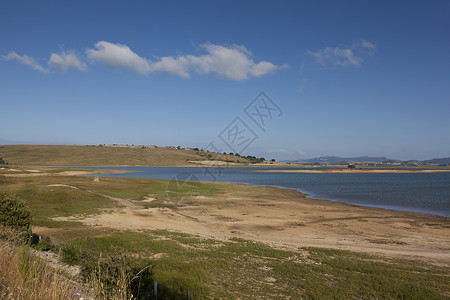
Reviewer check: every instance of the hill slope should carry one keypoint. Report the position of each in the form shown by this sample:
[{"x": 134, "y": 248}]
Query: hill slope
[{"x": 65, "y": 155}]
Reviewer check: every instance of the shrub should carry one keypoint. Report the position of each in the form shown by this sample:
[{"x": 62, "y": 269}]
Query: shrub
[
  {"x": 10, "y": 235},
  {"x": 14, "y": 213},
  {"x": 44, "y": 244},
  {"x": 118, "y": 275},
  {"x": 69, "y": 253}
]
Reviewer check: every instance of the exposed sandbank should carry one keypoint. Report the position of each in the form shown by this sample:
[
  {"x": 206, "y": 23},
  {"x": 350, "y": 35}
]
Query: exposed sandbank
[{"x": 288, "y": 219}]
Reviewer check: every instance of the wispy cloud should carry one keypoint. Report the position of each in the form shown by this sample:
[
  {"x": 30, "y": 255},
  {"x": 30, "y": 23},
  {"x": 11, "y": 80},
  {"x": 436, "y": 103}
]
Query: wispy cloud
[
  {"x": 233, "y": 62},
  {"x": 300, "y": 151},
  {"x": 367, "y": 45},
  {"x": 118, "y": 56},
  {"x": 283, "y": 151},
  {"x": 286, "y": 152},
  {"x": 64, "y": 61},
  {"x": 343, "y": 56},
  {"x": 57, "y": 62},
  {"x": 26, "y": 60}
]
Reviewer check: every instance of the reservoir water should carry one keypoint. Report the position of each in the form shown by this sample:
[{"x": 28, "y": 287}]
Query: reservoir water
[{"x": 417, "y": 192}]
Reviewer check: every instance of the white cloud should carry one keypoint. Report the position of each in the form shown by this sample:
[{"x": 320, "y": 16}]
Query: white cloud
[
  {"x": 234, "y": 62},
  {"x": 264, "y": 68},
  {"x": 65, "y": 61},
  {"x": 175, "y": 66},
  {"x": 283, "y": 151},
  {"x": 118, "y": 56},
  {"x": 368, "y": 45},
  {"x": 301, "y": 152},
  {"x": 26, "y": 60},
  {"x": 342, "y": 56},
  {"x": 338, "y": 56}
]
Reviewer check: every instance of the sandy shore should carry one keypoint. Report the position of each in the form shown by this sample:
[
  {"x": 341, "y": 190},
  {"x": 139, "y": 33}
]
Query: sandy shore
[
  {"x": 353, "y": 171},
  {"x": 287, "y": 219}
]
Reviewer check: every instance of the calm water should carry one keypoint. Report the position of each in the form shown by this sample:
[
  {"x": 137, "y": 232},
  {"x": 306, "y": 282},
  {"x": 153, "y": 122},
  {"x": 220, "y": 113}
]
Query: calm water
[{"x": 421, "y": 192}]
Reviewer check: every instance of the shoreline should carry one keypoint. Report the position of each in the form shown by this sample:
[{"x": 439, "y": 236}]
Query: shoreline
[
  {"x": 284, "y": 218},
  {"x": 110, "y": 170},
  {"x": 349, "y": 171},
  {"x": 288, "y": 219},
  {"x": 308, "y": 194}
]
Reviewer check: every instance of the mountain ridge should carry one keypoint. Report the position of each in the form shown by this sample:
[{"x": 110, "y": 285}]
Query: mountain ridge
[{"x": 366, "y": 159}]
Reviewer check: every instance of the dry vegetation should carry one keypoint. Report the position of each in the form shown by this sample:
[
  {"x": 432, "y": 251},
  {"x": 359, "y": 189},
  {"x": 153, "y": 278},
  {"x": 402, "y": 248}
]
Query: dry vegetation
[
  {"x": 65, "y": 155},
  {"x": 26, "y": 276}
]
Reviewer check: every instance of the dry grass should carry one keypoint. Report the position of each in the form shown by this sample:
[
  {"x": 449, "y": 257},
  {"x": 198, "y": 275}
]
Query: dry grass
[
  {"x": 65, "y": 155},
  {"x": 24, "y": 276}
]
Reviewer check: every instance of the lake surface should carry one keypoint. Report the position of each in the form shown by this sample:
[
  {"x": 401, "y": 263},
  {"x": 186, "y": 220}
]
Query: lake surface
[{"x": 417, "y": 192}]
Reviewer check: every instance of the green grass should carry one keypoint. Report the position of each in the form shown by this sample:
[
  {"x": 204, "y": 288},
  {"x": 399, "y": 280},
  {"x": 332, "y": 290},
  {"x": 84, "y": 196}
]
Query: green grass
[
  {"x": 47, "y": 202},
  {"x": 83, "y": 196},
  {"x": 139, "y": 188},
  {"x": 245, "y": 269}
]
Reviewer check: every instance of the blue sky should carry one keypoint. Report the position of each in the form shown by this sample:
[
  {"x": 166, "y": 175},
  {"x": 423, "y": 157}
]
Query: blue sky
[{"x": 350, "y": 78}]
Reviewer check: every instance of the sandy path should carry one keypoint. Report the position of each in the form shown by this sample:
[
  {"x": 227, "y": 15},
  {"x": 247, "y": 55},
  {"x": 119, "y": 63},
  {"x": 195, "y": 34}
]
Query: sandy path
[{"x": 286, "y": 219}]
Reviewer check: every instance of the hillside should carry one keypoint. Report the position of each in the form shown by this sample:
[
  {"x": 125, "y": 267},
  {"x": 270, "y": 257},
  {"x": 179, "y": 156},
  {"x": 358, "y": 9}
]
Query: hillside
[
  {"x": 67, "y": 155},
  {"x": 445, "y": 160}
]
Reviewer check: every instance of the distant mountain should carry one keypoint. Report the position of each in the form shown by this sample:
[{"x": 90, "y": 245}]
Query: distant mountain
[
  {"x": 445, "y": 160},
  {"x": 335, "y": 159},
  {"x": 369, "y": 159}
]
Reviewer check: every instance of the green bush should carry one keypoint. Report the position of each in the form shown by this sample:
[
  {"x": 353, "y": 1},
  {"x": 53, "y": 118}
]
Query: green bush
[
  {"x": 14, "y": 213},
  {"x": 44, "y": 244},
  {"x": 69, "y": 253}
]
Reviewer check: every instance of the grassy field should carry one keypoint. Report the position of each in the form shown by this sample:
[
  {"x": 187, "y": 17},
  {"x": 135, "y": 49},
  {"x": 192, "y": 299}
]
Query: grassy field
[
  {"x": 65, "y": 155},
  {"x": 243, "y": 269},
  {"x": 210, "y": 268}
]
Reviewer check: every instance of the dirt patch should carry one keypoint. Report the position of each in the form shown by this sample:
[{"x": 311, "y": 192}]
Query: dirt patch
[{"x": 64, "y": 185}]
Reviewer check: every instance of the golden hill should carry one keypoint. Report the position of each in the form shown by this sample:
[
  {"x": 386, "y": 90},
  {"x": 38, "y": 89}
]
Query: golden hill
[{"x": 73, "y": 155}]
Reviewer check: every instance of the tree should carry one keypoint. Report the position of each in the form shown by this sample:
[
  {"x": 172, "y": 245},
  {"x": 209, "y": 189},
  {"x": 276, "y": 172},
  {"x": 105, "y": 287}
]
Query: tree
[
  {"x": 351, "y": 166},
  {"x": 272, "y": 160}
]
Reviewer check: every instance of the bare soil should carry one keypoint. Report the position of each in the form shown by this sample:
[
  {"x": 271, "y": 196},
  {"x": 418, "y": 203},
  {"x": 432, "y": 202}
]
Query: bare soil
[{"x": 287, "y": 219}]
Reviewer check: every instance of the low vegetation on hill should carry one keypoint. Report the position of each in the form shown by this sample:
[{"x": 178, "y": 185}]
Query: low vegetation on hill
[{"x": 114, "y": 155}]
